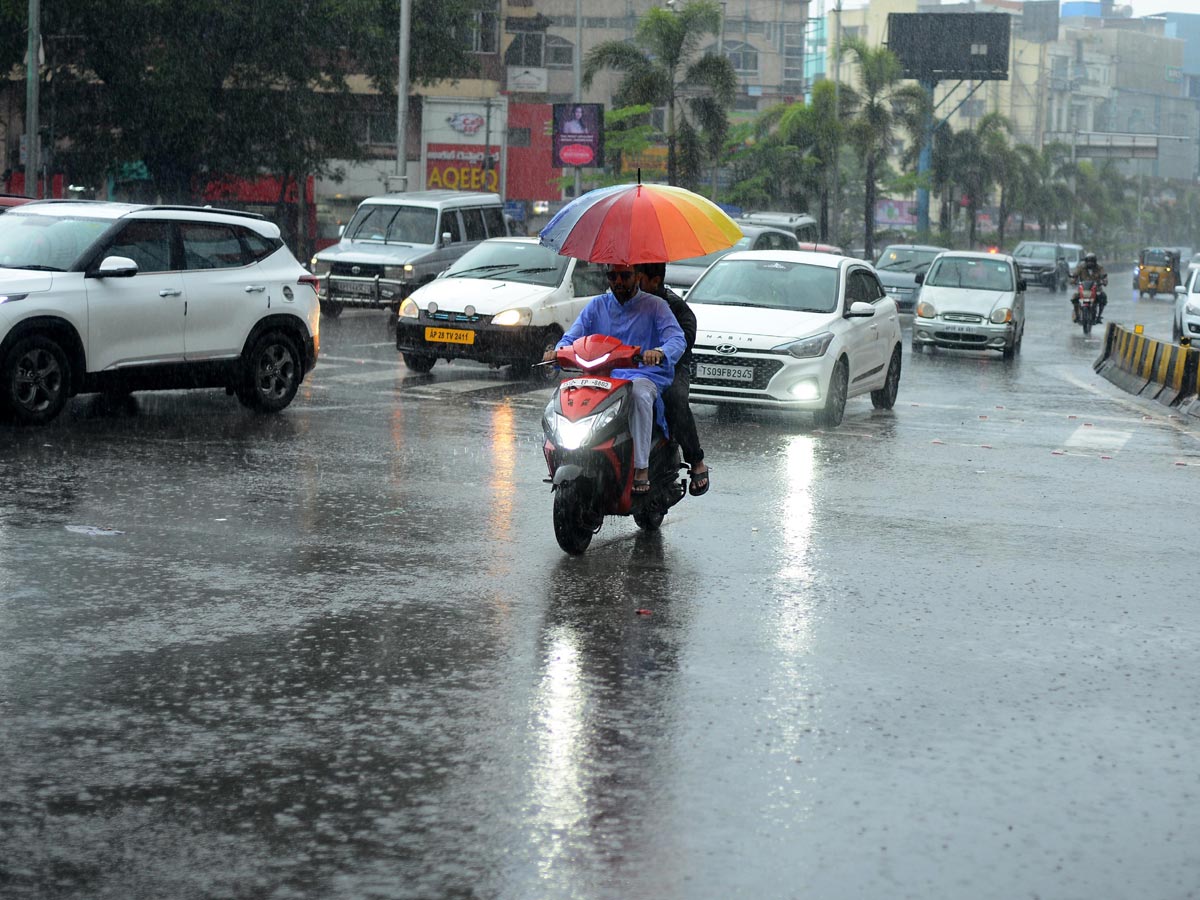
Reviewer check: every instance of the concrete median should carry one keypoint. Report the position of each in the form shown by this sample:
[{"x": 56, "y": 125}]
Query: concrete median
[{"x": 1157, "y": 370}]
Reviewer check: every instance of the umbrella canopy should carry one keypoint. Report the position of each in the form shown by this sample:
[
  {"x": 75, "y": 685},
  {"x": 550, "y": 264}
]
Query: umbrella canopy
[{"x": 633, "y": 223}]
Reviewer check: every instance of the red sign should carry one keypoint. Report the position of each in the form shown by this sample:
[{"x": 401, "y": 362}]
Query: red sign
[
  {"x": 459, "y": 167},
  {"x": 576, "y": 154}
]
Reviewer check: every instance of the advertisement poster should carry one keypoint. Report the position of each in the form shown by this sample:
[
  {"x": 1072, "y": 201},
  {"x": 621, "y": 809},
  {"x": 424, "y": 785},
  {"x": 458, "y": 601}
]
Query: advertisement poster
[
  {"x": 463, "y": 144},
  {"x": 578, "y": 134}
]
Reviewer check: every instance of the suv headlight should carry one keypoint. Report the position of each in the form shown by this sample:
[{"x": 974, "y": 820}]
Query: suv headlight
[
  {"x": 1192, "y": 308},
  {"x": 513, "y": 317},
  {"x": 808, "y": 347},
  {"x": 409, "y": 309},
  {"x": 397, "y": 273},
  {"x": 925, "y": 310},
  {"x": 319, "y": 267},
  {"x": 1001, "y": 315}
]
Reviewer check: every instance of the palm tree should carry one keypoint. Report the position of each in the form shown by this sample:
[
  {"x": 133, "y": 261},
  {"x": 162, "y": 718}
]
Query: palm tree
[
  {"x": 663, "y": 66},
  {"x": 881, "y": 106}
]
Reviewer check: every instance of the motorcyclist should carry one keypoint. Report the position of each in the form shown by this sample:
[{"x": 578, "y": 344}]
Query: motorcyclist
[{"x": 1090, "y": 270}]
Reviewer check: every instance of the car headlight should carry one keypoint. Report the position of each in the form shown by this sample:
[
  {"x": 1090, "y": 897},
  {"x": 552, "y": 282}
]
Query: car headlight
[
  {"x": 1192, "y": 309},
  {"x": 397, "y": 273},
  {"x": 808, "y": 347},
  {"x": 319, "y": 266},
  {"x": 409, "y": 309},
  {"x": 513, "y": 317},
  {"x": 1001, "y": 315},
  {"x": 925, "y": 310}
]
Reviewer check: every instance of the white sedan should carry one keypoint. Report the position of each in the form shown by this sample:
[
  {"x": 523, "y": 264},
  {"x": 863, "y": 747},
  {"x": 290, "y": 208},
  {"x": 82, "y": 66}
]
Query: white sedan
[
  {"x": 794, "y": 330},
  {"x": 1186, "y": 320}
]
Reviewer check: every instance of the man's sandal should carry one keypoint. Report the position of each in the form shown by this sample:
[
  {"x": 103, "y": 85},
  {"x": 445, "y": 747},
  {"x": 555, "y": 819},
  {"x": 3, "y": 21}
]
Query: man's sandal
[
  {"x": 641, "y": 485},
  {"x": 699, "y": 484}
]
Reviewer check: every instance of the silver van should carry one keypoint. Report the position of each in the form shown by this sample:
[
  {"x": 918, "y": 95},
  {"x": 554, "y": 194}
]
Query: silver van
[
  {"x": 394, "y": 243},
  {"x": 802, "y": 225}
]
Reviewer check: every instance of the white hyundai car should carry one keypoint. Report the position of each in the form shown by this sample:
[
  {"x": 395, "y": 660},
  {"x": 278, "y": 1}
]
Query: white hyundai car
[
  {"x": 1186, "y": 320},
  {"x": 100, "y": 297},
  {"x": 970, "y": 301},
  {"x": 794, "y": 330}
]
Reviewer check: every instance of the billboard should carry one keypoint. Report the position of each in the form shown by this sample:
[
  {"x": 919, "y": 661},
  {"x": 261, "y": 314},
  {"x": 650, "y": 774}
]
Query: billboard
[
  {"x": 935, "y": 46},
  {"x": 464, "y": 143},
  {"x": 578, "y": 134}
]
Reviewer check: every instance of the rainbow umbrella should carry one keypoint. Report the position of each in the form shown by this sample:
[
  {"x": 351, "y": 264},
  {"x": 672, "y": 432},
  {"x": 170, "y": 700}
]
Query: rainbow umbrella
[{"x": 632, "y": 223}]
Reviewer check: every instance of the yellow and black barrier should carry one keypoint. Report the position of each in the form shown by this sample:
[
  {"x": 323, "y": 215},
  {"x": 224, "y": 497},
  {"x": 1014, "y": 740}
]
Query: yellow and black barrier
[{"x": 1158, "y": 370}]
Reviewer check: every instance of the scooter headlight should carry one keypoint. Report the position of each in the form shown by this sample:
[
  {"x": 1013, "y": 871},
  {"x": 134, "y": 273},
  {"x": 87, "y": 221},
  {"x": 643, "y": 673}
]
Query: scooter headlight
[{"x": 572, "y": 435}]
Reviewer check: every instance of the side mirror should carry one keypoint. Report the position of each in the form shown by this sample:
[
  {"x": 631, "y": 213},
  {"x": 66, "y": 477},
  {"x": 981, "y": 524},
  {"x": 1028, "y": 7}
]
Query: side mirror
[
  {"x": 445, "y": 239},
  {"x": 116, "y": 267},
  {"x": 1021, "y": 285},
  {"x": 920, "y": 279},
  {"x": 860, "y": 309},
  {"x": 341, "y": 230},
  {"x": 1180, "y": 290}
]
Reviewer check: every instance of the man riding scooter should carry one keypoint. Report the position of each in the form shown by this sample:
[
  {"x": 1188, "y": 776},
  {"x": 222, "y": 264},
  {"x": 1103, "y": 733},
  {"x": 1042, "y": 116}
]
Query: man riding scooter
[{"x": 1090, "y": 270}]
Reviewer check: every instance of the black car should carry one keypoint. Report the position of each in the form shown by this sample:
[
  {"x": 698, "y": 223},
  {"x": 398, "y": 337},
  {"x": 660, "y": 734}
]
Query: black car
[
  {"x": 1046, "y": 263},
  {"x": 898, "y": 267}
]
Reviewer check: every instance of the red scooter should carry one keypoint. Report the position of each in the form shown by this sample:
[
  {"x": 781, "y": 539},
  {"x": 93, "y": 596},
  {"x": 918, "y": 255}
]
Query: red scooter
[{"x": 589, "y": 448}]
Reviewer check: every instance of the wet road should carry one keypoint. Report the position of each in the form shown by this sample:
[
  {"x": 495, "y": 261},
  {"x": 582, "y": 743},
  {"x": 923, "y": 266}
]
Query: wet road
[{"x": 947, "y": 651}]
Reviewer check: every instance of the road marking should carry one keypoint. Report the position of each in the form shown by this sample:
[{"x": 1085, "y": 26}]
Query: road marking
[{"x": 1090, "y": 438}]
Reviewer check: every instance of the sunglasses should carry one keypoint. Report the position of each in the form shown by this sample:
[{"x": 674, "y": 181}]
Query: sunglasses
[{"x": 620, "y": 276}]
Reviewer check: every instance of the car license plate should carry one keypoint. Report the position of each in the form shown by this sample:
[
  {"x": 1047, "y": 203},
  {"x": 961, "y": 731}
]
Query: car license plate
[
  {"x": 728, "y": 373},
  {"x": 450, "y": 335},
  {"x": 354, "y": 287},
  {"x": 958, "y": 328}
]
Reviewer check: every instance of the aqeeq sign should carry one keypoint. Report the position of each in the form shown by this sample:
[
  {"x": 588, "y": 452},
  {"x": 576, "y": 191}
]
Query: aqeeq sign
[
  {"x": 578, "y": 134},
  {"x": 463, "y": 144}
]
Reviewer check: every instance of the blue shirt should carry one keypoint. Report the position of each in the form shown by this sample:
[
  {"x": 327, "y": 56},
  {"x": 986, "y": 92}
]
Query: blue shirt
[{"x": 643, "y": 321}]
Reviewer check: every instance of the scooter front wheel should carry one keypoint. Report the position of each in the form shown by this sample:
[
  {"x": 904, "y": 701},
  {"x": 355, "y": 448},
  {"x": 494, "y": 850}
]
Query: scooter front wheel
[
  {"x": 648, "y": 520},
  {"x": 571, "y": 528}
]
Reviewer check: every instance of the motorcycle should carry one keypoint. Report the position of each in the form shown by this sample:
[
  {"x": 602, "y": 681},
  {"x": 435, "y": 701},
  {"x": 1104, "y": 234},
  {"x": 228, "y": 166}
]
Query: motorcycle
[
  {"x": 1089, "y": 306},
  {"x": 589, "y": 448}
]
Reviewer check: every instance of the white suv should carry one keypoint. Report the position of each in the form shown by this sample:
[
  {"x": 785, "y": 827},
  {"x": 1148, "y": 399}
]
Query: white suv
[{"x": 116, "y": 297}]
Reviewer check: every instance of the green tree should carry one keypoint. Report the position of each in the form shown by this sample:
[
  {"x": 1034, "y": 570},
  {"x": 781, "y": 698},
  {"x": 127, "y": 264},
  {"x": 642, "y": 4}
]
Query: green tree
[
  {"x": 881, "y": 106},
  {"x": 663, "y": 67}
]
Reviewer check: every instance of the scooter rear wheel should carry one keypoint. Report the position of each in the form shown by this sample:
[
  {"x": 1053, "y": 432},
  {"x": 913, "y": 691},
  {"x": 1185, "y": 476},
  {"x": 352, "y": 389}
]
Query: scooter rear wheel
[{"x": 570, "y": 511}]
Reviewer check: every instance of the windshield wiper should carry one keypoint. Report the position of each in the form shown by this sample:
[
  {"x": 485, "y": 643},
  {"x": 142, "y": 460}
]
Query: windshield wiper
[
  {"x": 535, "y": 270},
  {"x": 35, "y": 268},
  {"x": 488, "y": 268}
]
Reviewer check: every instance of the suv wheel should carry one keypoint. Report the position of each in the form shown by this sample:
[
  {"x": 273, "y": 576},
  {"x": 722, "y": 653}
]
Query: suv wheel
[
  {"x": 331, "y": 309},
  {"x": 271, "y": 373},
  {"x": 36, "y": 378},
  {"x": 420, "y": 364}
]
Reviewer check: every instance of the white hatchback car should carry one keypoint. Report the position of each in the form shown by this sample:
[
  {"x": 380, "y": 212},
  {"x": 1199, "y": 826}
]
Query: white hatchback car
[
  {"x": 794, "y": 330},
  {"x": 1186, "y": 320},
  {"x": 504, "y": 303},
  {"x": 100, "y": 297},
  {"x": 970, "y": 301}
]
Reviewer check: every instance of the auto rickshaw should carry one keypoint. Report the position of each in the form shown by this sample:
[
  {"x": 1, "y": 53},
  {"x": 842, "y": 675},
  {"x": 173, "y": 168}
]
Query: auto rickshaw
[{"x": 1158, "y": 271}]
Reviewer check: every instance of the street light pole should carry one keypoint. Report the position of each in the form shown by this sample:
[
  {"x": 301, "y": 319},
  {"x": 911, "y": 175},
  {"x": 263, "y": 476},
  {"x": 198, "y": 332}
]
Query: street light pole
[
  {"x": 720, "y": 55},
  {"x": 402, "y": 97},
  {"x": 578, "y": 77},
  {"x": 836, "y": 212},
  {"x": 32, "y": 84}
]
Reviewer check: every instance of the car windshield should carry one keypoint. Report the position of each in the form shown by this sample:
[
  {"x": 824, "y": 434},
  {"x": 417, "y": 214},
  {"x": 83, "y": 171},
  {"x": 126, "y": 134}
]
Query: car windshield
[
  {"x": 394, "y": 224},
  {"x": 1035, "y": 251},
  {"x": 50, "y": 243},
  {"x": 770, "y": 284},
  {"x": 972, "y": 274},
  {"x": 510, "y": 261},
  {"x": 905, "y": 259},
  {"x": 709, "y": 258}
]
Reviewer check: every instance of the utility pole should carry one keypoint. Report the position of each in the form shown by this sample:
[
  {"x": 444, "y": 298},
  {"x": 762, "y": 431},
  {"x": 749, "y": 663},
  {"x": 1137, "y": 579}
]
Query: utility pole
[
  {"x": 401, "y": 178},
  {"x": 836, "y": 212},
  {"x": 578, "y": 78},
  {"x": 720, "y": 55},
  {"x": 32, "y": 84}
]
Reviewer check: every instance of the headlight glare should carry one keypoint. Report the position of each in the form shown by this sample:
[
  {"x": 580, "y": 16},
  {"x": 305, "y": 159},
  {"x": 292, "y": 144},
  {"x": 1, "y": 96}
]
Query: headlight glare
[
  {"x": 513, "y": 317},
  {"x": 808, "y": 347}
]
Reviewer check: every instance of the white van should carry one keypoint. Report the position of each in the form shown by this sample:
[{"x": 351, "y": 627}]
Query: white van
[
  {"x": 396, "y": 242},
  {"x": 802, "y": 225},
  {"x": 503, "y": 303}
]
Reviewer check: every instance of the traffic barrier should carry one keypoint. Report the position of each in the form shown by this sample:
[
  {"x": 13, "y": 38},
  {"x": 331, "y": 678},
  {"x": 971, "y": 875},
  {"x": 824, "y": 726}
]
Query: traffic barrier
[{"x": 1157, "y": 370}]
